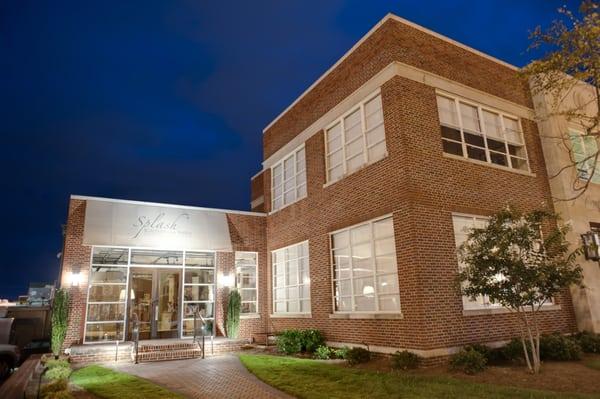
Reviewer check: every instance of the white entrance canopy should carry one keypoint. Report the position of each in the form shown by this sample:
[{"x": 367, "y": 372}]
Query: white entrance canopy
[{"x": 146, "y": 225}]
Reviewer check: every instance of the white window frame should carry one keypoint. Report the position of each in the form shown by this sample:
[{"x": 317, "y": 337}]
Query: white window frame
[
  {"x": 240, "y": 288},
  {"x": 480, "y": 108},
  {"x": 299, "y": 284},
  {"x": 293, "y": 154},
  {"x": 375, "y": 275},
  {"x": 573, "y": 132},
  {"x": 366, "y": 147}
]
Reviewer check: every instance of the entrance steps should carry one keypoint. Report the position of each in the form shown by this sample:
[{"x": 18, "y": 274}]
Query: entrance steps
[{"x": 158, "y": 351}]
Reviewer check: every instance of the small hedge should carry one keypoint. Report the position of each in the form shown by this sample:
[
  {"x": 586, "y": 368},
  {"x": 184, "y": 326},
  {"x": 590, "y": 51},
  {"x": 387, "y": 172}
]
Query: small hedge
[
  {"x": 468, "y": 360},
  {"x": 559, "y": 347},
  {"x": 53, "y": 363},
  {"x": 589, "y": 342},
  {"x": 56, "y": 390},
  {"x": 325, "y": 353},
  {"x": 405, "y": 360},
  {"x": 58, "y": 373},
  {"x": 358, "y": 355},
  {"x": 295, "y": 341}
]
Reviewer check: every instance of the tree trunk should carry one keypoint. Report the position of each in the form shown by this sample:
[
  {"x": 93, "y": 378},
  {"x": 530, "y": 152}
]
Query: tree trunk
[{"x": 523, "y": 335}]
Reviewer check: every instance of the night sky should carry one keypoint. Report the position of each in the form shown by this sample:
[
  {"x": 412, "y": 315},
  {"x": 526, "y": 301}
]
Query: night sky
[{"x": 166, "y": 101}]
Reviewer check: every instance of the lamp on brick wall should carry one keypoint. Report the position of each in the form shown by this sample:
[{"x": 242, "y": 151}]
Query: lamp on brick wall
[
  {"x": 591, "y": 243},
  {"x": 75, "y": 279}
]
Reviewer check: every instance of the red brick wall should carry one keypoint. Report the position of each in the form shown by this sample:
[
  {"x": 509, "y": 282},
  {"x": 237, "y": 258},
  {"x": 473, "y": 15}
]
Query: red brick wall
[
  {"x": 395, "y": 41},
  {"x": 257, "y": 189},
  {"x": 422, "y": 189},
  {"x": 76, "y": 258}
]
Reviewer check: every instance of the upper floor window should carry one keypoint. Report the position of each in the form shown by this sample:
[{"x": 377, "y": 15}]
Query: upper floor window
[
  {"x": 471, "y": 131},
  {"x": 246, "y": 265},
  {"x": 364, "y": 268},
  {"x": 356, "y": 139},
  {"x": 585, "y": 155},
  {"x": 291, "y": 279},
  {"x": 288, "y": 181}
]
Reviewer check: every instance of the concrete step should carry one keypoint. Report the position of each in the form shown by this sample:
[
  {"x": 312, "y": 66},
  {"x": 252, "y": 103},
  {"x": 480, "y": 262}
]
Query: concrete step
[{"x": 162, "y": 355}]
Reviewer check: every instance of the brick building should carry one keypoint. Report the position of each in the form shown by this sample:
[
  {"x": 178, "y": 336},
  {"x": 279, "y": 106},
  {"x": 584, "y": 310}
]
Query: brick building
[{"x": 370, "y": 180}]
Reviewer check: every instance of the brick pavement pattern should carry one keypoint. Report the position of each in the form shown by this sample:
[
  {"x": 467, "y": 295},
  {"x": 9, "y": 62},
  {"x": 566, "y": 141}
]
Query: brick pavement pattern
[{"x": 217, "y": 377}]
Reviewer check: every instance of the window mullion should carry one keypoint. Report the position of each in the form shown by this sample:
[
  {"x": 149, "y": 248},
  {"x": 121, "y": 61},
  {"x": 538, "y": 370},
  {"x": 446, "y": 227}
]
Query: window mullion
[
  {"x": 460, "y": 124},
  {"x": 363, "y": 126},
  {"x": 505, "y": 140},
  {"x": 351, "y": 264},
  {"x": 373, "y": 263},
  {"x": 343, "y": 140},
  {"x": 483, "y": 132}
]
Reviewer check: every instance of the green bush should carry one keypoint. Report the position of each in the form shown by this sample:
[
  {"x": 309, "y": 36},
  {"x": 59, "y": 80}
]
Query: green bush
[
  {"x": 53, "y": 363},
  {"x": 324, "y": 353},
  {"x": 311, "y": 340},
  {"x": 289, "y": 342},
  {"x": 559, "y": 347},
  {"x": 234, "y": 306},
  {"x": 589, "y": 342},
  {"x": 513, "y": 350},
  {"x": 60, "y": 316},
  {"x": 58, "y": 373},
  {"x": 49, "y": 390},
  {"x": 405, "y": 360},
  {"x": 468, "y": 360},
  {"x": 60, "y": 395},
  {"x": 294, "y": 341},
  {"x": 357, "y": 355},
  {"x": 341, "y": 353}
]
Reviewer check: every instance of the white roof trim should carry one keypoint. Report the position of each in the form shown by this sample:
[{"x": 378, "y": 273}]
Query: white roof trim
[
  {"x": 366, "y": 36},
  {"x": 85, "y": 198}
]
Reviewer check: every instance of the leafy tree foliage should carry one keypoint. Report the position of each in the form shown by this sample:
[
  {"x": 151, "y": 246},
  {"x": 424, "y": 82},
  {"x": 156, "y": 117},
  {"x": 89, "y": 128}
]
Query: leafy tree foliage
[{"x": 520, "y": 261}]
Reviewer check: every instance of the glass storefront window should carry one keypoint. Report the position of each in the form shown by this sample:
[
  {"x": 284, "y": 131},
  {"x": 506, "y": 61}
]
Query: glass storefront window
[
  {"x": 157, "y": 258},
  {"x": 110, "y": 256},
  {"x": 108, "y": 274},
  {"x": 104, "y": 332},
  {"x": 199, "y": 259}
]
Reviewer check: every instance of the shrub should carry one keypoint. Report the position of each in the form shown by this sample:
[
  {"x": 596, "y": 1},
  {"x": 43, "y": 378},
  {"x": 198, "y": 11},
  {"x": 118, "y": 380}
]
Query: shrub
[
  {"x": 559, "y": 347},
  {"x": 58, "y": 373},
  {"x": 53, "y": 363},
  {"x": 234, "y": 305},
  {"x": 60, "y": 395},
  {"x": 60, "y": 316},
  {"x": 341, "y": 353},
  {"x": 513, "y": 350},
  {"x": 311, "y": 340},
  {"x": 589, "y": 342},
  {"x": 468, "y": 360},
  {"x": 324, "y": 352},
  {"x": 405, "y": 360},
  {"x": 48, "y": 390},
  {"x": 357, "y": 355},
  {"x": 289, "y": 342}
]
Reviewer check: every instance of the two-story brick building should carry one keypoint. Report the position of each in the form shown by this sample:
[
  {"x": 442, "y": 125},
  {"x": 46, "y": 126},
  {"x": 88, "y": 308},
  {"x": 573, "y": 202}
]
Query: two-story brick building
[{"x": 370, "y": 180}]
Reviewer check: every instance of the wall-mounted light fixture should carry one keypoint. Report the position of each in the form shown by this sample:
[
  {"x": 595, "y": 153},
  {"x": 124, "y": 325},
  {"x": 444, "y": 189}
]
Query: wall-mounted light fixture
[
  {"x": 75, "y": 279},
  {"x": 591, "y": 243},
  {"x": 227, "y": 280}
]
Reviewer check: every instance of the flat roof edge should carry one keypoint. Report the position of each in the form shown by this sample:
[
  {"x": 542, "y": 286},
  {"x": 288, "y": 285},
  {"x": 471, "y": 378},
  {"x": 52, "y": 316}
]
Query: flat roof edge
[
  {"x": 134, "y": 202},
  {"x": 388, "y": 16}
]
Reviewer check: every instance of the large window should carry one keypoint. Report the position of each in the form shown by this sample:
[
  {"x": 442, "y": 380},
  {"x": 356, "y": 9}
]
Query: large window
[
  {"x": 107, "y": 295},
  {"x": 288, "y": 179},
  {"x": 246, "y": 266},
  {"x": 471, "y": 131},
  {"x": 365, "y": 269},
  {"x": 462, "y": 227},
  {"x": 291, "y": 279},
  {"x": 584, "y": 150},
  {"x": 356, "y": 139},
  {"x": 198, "y": 291}
]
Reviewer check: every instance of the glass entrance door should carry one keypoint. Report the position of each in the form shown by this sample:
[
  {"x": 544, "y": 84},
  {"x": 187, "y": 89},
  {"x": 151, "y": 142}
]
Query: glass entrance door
[{"x": 154, "y": 301}]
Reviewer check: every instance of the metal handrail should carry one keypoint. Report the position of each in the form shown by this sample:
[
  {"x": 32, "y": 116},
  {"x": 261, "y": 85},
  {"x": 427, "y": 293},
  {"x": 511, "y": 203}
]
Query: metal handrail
[
  {"x": 196, "y": 316},
  {"x": 136, "y": 334}
]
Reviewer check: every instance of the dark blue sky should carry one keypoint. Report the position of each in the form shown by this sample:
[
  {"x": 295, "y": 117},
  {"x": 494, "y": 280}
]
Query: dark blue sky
[{"x": 166, "y": 101}]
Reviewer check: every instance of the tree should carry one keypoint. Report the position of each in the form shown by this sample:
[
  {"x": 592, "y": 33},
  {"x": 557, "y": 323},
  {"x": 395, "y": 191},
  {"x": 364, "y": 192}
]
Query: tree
[
  {"x": 60, "y": 314},
  {"x": 571, "y": 62},
  {"x": 516, "y": 265},
  {"x": 234, "y": 306}
]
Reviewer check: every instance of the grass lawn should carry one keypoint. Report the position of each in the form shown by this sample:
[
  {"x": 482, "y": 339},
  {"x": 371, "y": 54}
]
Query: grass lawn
[
  {"x": 306, "y": 378},
  {"x": 111, "y": 384},
  {"x": 593, "y": 364}
]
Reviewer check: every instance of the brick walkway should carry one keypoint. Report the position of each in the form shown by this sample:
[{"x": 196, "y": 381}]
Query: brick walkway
[{"x": 215, "y": 377}]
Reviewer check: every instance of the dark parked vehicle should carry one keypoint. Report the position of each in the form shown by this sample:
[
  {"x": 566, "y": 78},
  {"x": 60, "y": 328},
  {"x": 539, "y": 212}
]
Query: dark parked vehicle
[{"x": 9, "y": 354}]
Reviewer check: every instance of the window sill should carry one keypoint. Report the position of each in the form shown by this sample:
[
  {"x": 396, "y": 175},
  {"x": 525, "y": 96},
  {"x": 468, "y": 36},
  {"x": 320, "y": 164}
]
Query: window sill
[
  {"x": 375, "y": 316},
  {"x": 492, "y": 311},
  {"x": 291, "y": 315},
  {"x": 250, "y": 316},
  {"x": 356, "y": 171},
  {"x": 491, "y": 165}
]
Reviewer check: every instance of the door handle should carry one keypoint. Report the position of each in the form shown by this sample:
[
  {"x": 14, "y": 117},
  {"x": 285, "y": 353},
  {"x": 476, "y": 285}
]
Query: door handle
[{"x": 156, "y": 312}]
